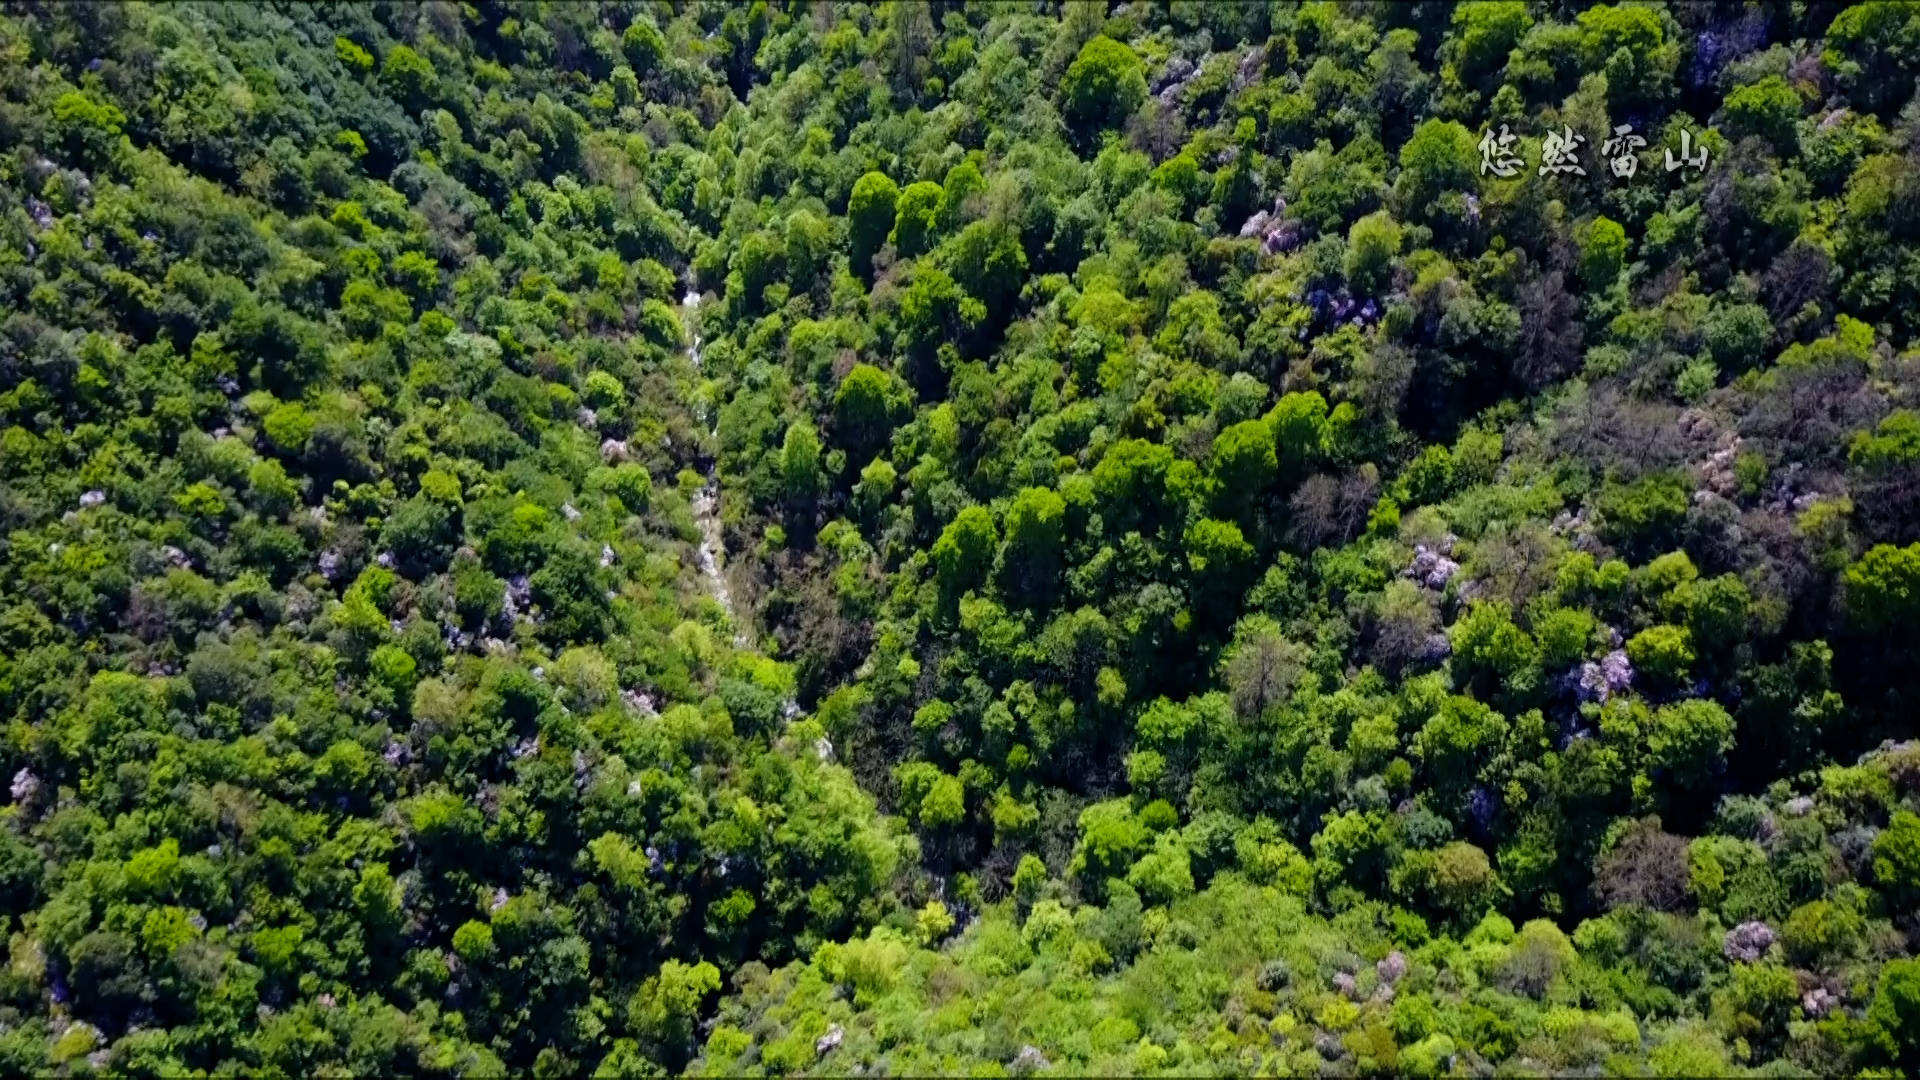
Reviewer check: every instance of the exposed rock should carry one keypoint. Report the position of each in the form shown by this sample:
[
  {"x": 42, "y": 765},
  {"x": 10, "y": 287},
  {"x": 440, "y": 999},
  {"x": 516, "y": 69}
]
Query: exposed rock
[
  {"x": 1482, "y": 806},
  {"x": 1028, "y": 1060},
  {"x": 1431, "y": 568},
  {"x": 1599, "y": 681},
  {"x": 1698, "y": 424},
  {"x": 1177, "y": 69},
  {"x": 1747, "y": 942},
  {"x": 1717, "y": 470},
  {"x": 830, "y": 1040},
  {"x": 1436, "y": 648},
  {"x": 1179, "y": 73},
  {"x": 25, "y": 785},
  {"x": 1391, "y": 967},
  {"x": 1274, "y": 975},
  {"x": 1249, "y": 68},
  {"x": 1329, "y": 1046},
  {"x": 1283, "y": 236},
  {"x": 515, "y": 597}
]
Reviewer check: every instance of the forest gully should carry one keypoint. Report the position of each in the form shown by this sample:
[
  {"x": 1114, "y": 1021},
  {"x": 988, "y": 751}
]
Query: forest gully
[{"x": 1088, "y": 538}]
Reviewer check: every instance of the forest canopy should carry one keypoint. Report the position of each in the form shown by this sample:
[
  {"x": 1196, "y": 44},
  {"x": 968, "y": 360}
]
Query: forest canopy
[{"x": 1006, "y": 538}]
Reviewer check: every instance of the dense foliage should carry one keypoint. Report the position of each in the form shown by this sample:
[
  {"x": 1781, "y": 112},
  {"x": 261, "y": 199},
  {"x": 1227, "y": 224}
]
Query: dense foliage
[{"x": 1225, "y": 581}]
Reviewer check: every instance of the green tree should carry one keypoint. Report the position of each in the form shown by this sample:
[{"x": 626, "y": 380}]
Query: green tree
[
  {"x": 1103, "y": 85},
  {"x": 1896, "y": 856},
  {"x": 1441, "y": 156},
  {"x": 1895, "y": 1013},
  {"x": 629, "y": 482},
  {"x": 935, "y": 310},
  {"x": 1689, "y": 740},
  {"x": 1219, "y": 555},
  {"x": 1489, "y": 650},
  {"x": 1299, "y": 424},
  {"x": 1737, "y": 336},
  {"x": 89, "y": 127},
  {"x": 1036, "y": 533},
  {"x": 1372, "y": 244},
  {"x": 1482, "y": 36},
  {"x": 1628, "y": 44},
  {"x": 666, "y": 1008},
  {"x": 1454, "y": 742},
  {"x": 409, "y": 77},
  {"x": 964, "y": 553},
  {"x": 1111, "y": 837},
  {"x": 963, "y": 183},
  {"x": 1463, "y": 878},
  {"x": 1768, "y": 109},
  {"x": 1131, "y": 480},
  {"x": 644, "y": 46},
  {"x": 800, "y": 463},
  {"x": 1883, "y": 587},
  {"x": 916, "y": 219},
  {"x": 864, "y": 407},
  {"x": 1164, "y": 874},
  {"x": 571, "y": 595},
  {"x": 870, "y": 217},
  {"x": 1602, "y": 253},
  {"x": 1663, "y": 652},
  {"x": 989, "y": 262},
  {"x": 1821, "y": 933},
  {"x": 1245, "y": 463}
]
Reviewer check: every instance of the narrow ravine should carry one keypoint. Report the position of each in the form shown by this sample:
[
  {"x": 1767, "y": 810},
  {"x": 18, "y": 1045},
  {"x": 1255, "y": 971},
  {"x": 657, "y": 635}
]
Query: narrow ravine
[
  {"x": 706, "y": 503},
  {"x": 712, "y": 553}
]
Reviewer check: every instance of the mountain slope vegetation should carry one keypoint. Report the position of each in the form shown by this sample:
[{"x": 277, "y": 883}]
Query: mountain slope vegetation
[{"x": 1212, "y": 575}]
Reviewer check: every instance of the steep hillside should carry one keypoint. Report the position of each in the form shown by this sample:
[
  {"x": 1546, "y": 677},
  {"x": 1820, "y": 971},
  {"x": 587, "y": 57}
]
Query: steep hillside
[{"x": 1024, "y": 537}]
